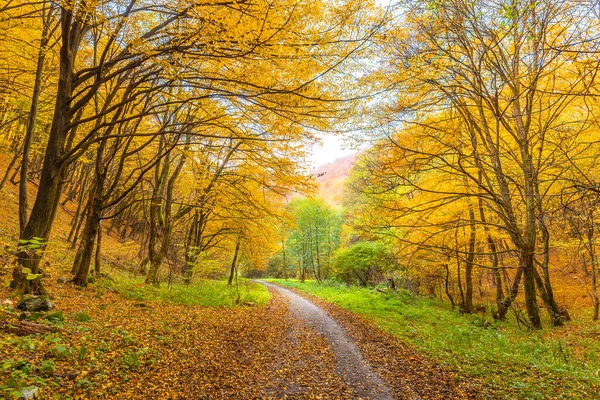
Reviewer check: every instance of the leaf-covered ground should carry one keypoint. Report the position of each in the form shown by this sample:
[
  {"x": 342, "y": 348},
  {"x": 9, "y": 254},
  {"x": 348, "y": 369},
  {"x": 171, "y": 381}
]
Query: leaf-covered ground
[{"x": 114, "y": 345}]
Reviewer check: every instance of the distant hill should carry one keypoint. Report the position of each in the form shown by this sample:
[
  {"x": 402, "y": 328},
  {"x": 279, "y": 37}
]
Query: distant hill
[{"x": 332, "y": 177}]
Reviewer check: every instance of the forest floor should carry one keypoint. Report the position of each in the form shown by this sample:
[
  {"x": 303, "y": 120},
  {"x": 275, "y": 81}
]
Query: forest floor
[{"x": 119, "y": 339}]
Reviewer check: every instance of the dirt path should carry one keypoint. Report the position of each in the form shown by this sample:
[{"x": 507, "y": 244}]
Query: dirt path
[
  {"x": 349, "y": 363},
  {"x": 289, "y": 348}
]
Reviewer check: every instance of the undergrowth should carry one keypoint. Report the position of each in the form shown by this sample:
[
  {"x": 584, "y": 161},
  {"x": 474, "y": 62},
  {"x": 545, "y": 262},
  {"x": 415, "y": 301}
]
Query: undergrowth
[{"x": 207, "y": 293}]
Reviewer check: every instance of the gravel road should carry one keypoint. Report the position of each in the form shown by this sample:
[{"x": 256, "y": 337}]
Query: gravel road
[{"x": 350, "y": 364}]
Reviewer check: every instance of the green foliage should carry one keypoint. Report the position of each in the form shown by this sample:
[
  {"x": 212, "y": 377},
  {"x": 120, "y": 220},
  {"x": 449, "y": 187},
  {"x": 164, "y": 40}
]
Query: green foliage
[
  {"x": 315, "y": 237},
  {"x": 509, "y": 362},
  {"x": 47, "y": 368},
  {"x": 55, "y": 317},
  {"x": 84, "y": 383},
  {"x": 18, "y": 379},
  {"x": 361, "y": 262},
  {"x": 29, "y": 275},
  {"x": 62, "y": 351},
  {"x": 132, "y": 359},
  {"x": 33, "y": 246},
  {"x": 81, "y": 353},
  {"x": 125, "y": 336},
  {"x": 82, "y": 317},
  {"x": 205, "y": 265}
]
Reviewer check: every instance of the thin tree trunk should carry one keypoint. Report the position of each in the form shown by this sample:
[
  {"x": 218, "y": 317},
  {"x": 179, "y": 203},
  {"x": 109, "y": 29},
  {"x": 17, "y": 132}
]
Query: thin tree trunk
[
  {"x": 468, "y": 303},
  {"x": 98, "y": 255},
  {"x": 88, "y": 240},
  {"x": 458, "y": 279},
  {"x": 447, "y": 284},
  {"x": 234, "y": 261},
  {"x": 79, "y": 212},
  {"x": 9, "y": 168},
  {"x": 285, "y": 276}
]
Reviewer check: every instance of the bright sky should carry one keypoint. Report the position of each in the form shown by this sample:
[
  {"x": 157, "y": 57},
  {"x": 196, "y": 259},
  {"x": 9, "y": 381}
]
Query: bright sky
[{"x": 331, "y": 148}]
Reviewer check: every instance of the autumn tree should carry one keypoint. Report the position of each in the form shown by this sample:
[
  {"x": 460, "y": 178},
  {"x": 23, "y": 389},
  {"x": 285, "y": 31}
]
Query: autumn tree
[
  {"x": 111, "y": 55},
  {"x": 488, "y": 110}
]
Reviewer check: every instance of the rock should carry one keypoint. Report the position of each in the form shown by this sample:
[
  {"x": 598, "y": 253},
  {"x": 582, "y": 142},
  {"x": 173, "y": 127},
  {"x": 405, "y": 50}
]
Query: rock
[
  {"x": 62, "y": 279},
  {"x": 35, "y": 303},
  {"x": 30, "y": 392}
]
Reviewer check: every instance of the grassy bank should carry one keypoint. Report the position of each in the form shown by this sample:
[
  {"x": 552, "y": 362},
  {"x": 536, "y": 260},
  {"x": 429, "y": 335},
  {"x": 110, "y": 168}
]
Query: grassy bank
[
  {"x": 209, "y": 293},
  {"x": 510, "y": 363}
]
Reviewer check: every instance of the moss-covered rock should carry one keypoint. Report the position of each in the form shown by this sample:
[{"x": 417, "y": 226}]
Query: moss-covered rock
[{"x": 35, "y": 303}]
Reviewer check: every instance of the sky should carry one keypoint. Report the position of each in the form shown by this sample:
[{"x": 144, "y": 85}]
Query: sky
[{"x": 331, "y": 148}]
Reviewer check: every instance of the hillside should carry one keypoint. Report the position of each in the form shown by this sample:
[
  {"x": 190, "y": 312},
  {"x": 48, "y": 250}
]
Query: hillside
[
  {"x": 332, "y": 177},
  {"x": 58, "y": 260}
]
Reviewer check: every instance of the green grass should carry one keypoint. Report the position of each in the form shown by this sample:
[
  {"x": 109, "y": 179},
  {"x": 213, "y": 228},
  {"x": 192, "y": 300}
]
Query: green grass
[
  {"x": 209, "y": 293},
  {"x": 508, "y": 362}
]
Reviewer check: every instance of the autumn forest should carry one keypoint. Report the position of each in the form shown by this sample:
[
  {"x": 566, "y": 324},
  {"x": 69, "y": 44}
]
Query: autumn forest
[{"x": 165, "y": 235}]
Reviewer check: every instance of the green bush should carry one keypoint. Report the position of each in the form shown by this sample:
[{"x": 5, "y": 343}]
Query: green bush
[{"x": 362, "y": 263}]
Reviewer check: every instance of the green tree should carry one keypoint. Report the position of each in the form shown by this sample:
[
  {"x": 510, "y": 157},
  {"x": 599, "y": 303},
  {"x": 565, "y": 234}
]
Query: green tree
[{"x": 315, "y": 237}]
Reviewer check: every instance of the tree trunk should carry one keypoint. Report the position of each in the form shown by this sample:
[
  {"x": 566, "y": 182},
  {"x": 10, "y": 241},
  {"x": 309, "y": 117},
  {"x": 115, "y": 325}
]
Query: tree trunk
[
  {"x": 556, "y": 314},
  {"x": 190, "y": 251},
  {"x": 458, "y": 279},
  {"x": 28, "y": 139},
  {"x": 233, "y": 263},
  {"x": 467, "y": 306},
  {"x": 79, "y": 213},
  {"x": 447, "y": 284},
  {"x": 285, "y": 276},
  {"x": 88, "y": 240},
  {"x": 42, "y": 216},
  {"x": 98, "y": 255},
  {"x": 594, "y": 268},
  {"x": 161, "y": 215},
  {"x": 528, "y": 265},
  {"x": 493, "y": 258},
  {"x": 318, "y": 257},
  {"x": 9, "y": 168}
]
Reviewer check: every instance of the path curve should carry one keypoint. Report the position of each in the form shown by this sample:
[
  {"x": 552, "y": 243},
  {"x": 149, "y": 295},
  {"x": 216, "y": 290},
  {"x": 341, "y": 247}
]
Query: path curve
[{"x": 350, "y": 364}]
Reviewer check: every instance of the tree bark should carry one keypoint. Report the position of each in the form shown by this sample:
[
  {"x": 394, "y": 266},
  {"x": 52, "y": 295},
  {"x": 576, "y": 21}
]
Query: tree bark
[
  {"x": 35, "y": 99},
  {"x": 467, "y": 306},
  {"x": 52, "y": 177},
  {"x": 10, "y": 167},
  {"x": 234, "y": 262}
]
